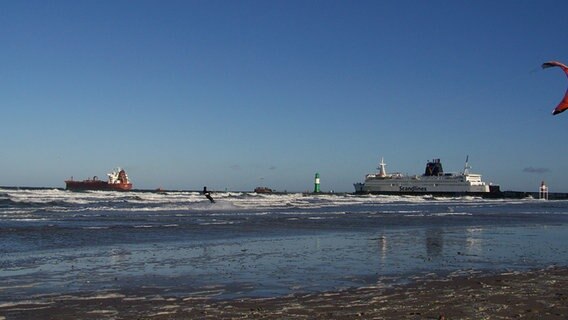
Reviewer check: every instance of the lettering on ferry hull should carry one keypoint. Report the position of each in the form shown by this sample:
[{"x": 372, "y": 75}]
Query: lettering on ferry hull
[{"x": 412, "y": 189}]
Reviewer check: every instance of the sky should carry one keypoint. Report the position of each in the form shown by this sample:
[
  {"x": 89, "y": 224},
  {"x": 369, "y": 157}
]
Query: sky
[{"x": 238, "y": 94}]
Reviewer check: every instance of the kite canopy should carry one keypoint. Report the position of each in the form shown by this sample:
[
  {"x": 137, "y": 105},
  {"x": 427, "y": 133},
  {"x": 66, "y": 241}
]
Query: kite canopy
[
  {"x": 563, "y": 105},
  {"x": 551, "y": 64}
]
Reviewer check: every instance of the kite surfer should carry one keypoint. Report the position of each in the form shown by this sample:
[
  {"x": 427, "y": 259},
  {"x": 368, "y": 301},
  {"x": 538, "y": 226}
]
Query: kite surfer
[{"x": 207, "y": 194}]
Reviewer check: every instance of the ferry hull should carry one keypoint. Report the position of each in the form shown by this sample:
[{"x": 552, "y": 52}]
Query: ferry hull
[{"x": 491, "y": 194}]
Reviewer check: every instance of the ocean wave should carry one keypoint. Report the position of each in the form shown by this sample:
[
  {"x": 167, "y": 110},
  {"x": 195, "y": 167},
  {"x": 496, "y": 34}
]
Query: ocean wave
[{"x": 62, "y": 202}]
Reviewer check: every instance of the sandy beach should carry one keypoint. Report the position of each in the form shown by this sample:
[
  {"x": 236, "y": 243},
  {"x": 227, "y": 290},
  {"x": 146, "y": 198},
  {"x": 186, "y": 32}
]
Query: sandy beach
[
  {"x": 281, "y": 257},
  {"x": 537, "y": 294}
]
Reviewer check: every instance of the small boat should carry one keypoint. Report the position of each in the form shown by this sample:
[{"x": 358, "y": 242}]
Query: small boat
[
  {"x": 263, "y": 190},
  {"x": 117, "y": 181}
]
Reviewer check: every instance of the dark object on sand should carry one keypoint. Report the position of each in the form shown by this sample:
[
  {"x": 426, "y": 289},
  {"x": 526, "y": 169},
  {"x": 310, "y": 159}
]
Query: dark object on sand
[{"x": 208, "y": 195}]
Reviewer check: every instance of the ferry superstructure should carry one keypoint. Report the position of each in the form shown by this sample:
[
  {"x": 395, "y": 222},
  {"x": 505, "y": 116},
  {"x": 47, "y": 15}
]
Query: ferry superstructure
[{"x": 434, "y": 181}]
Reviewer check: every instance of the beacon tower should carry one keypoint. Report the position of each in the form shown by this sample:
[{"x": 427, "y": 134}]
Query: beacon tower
[{"x": 317, "y": 183}]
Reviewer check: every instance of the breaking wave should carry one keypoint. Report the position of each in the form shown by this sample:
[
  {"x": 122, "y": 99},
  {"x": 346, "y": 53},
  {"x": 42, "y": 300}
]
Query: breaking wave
[{"x": 42, "y": 204}]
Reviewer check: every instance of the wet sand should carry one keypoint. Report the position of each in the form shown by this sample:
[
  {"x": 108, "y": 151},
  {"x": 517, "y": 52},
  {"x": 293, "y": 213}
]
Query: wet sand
[
  {"x": 312, "y": 259},
  {"x": 538, "y": 294}
]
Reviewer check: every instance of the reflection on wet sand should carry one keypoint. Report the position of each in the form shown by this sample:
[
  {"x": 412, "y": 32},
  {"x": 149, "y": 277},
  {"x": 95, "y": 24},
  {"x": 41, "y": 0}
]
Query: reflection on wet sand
[
  {"x": 383, "y": 247},
  {"x": 474, "y": 241},
  {"x": 434, "y": 243}
]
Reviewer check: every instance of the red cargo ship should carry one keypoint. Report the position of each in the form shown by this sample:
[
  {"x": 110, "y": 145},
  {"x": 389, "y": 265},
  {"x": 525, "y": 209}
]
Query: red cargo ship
[{"x": 117, "y": 181}]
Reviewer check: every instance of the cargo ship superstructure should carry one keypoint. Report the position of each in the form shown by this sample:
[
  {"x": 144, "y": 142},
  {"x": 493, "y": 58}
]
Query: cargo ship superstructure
[
  {"x": 434, "y": 181},
  {"x": 117, "y": 181}
]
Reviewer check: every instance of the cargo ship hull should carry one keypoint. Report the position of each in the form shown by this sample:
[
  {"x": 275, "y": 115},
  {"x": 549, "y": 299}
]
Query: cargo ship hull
[
  {"x": 117, "y": 181},
  {"x": 96, "y": 185}
]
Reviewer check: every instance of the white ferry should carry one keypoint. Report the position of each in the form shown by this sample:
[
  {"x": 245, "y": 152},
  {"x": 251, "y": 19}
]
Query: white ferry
[{"x": 434, "y": 181}]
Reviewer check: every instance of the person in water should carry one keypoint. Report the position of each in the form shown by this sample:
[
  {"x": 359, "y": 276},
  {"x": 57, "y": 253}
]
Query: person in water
[{"x": 208, "y": 195}]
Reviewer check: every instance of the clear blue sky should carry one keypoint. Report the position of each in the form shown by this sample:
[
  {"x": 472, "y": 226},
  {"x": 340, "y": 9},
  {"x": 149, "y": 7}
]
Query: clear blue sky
[{"x": 236, "y": 94}]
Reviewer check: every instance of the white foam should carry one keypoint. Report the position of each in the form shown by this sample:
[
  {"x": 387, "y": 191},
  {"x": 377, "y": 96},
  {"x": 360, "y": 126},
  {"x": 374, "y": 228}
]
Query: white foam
[
  {"x": 24, "y": 302},
  {"x": 102, "y": 296},
  {"x": 43, "y": 202},
  {"x": 105, "y": 312}
]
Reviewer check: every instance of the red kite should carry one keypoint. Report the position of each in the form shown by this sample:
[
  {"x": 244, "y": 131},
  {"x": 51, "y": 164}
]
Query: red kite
[{"x": 563, "y": 105}]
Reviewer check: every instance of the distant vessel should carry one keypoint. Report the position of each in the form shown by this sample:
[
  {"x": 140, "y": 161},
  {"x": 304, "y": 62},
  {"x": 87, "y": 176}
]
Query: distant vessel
[
  {"x": 262, "y": 190},
  {"x": 117, "y": 181},
  {"x": 434, "y": 181}
]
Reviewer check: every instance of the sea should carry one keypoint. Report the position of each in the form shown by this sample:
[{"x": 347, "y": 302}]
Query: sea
[{"x": 59, "y": 242}]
